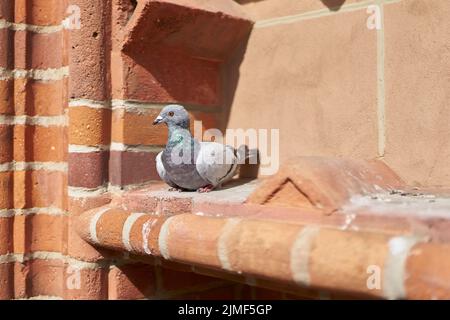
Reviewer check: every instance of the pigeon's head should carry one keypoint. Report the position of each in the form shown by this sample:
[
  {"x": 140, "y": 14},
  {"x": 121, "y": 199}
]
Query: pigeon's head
[{"x": 173, "y": 114}]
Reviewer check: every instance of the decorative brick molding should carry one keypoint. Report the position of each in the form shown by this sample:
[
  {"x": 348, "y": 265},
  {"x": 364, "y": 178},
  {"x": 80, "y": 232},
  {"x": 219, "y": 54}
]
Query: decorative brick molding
[
  {"x": 293, "y": 254},
  {"x": 324, "y": 183}
]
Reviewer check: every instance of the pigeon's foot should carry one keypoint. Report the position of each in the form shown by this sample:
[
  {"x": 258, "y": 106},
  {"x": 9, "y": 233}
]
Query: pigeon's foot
[
  {"x": 208, "y": 188},
  {"x": 176, "y": 189}
]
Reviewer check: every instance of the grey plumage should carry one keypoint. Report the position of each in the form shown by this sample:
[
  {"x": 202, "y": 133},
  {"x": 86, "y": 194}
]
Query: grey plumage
[{"x": 187, "y": 163}]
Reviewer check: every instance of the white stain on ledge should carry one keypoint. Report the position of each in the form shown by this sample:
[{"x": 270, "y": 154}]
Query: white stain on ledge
[
  {"x": 394, "y": 269},
  {"x": 348, "y": 223},
  {"x": 146, "y": 229},
  {"x": 399, "y": 203},
  {"x": 300, "y": 251},
  {"x": 222, "y": 249}
]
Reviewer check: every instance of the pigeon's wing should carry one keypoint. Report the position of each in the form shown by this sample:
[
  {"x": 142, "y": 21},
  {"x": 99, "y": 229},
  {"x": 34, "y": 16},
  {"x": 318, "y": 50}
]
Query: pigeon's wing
[
  {"x": 162, "y": 171},
  {"x": 216, "y": 163}
]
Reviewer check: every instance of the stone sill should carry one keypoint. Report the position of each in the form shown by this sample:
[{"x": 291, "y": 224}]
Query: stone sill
[{"x": 302, "y": 249}]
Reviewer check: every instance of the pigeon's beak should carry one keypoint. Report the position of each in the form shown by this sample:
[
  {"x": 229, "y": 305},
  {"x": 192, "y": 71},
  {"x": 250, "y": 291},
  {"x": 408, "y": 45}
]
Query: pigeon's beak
[{"x": 158, "y": 120}]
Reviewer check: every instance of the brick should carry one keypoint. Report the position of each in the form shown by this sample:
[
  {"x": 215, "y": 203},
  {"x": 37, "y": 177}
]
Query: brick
[
  {"x": 7, "y": 143},
  {"x": 47, "y": 189},
  {"x": 47, "y": 98},
  {"x": 109, "y": 228},
  {"x": 137, "y": 239},
  {"x": 6, "y": 241},
  {"x": 136, "y": 202},
  {"x": 6, "y": 190},
  {"x": 135, "y": 281},
  {"x": 209, "y": 120},
  {"x": 40, "y": 144},
  {"x": 144, "y": 234},
  {"x": 20, "y": 280},
  {"x": 45, "y": 232},
  {"x": 155, "y": 199},
  {"x": 121, "y": 14},
  {"x": 32, "y": 97},
  {"x": 20, "y": 234},
  {"x": 152, "y": 77},
  {"x": 136, "y": 128},
  {"x": 6, "y": 281},
  {"x": 38, "y": 188},
  {"x": 31, "y": 50},
  {"x": 225, "y": 21},
  {"x": 7, "y": 10},
  {"x": 87, "y": 72},
  {"x": 80, "y": 205},
  {"x": 199, "y": 246},
  {"x": 94, "y": 284},
  {"x": 7, "y": 44},
  {"x": 88, "y": 170},
  {"x": 423, "y": 266},
  {"x": 339, "y": 261},
  {"x": 170, "y": 206},
  {"x": 45, "y": 278},
  {"x": 66, "y": 50},
  {"x": 257, "y": 239},
  {"x": 89, "y": 126},
  {"x": 6, "y": 96},
  {"x": 132, "y": 167},
  {"x": 79, "y": 249},
  {"x": 40, "y": 12}
]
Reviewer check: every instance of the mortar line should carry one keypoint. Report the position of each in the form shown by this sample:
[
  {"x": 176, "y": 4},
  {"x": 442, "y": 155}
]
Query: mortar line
[
  {"x": 27, "y": 166},
  {"x": 44, "y": 121},
  {"x": 14, "y": 26},
  {"x": 49, "y": 211},
  {"x": 136, "y": 106},
  {"x": 49, "y": 74}
]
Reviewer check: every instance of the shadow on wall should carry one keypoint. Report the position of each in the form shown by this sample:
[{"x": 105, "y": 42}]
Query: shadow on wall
[
  {"x": 333, "y": 5},
  {"x": 230, "y": 80}
]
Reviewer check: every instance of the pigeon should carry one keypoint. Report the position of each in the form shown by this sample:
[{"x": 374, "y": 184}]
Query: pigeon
[{"x": 187, "y": 164}]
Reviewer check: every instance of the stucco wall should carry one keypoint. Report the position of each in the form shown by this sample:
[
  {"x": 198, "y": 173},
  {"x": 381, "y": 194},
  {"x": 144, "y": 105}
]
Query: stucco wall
[{"x": 335, "y": 87}]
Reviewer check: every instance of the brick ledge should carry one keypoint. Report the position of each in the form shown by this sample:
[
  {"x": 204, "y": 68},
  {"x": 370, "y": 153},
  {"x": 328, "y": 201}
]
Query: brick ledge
[{"x": 300, "y": 249}]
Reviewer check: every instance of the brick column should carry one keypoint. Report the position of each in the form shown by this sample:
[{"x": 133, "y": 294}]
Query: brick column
[
  {"x": 33, "y": 144},
  {"x": 89, "y": 139}
]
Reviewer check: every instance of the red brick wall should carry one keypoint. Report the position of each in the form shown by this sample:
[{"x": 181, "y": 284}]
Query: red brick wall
[
  {"x": 66, "y": 138},
  {"x": 33, "y": 148}
]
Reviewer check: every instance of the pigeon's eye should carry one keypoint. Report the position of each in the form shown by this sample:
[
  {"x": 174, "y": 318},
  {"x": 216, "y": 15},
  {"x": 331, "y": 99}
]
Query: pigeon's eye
[{"x": 171, "y": 114}]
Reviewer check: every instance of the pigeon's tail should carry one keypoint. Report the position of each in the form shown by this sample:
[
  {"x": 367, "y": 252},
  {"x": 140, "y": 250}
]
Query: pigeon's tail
[{"x": 243, "y": 153}]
